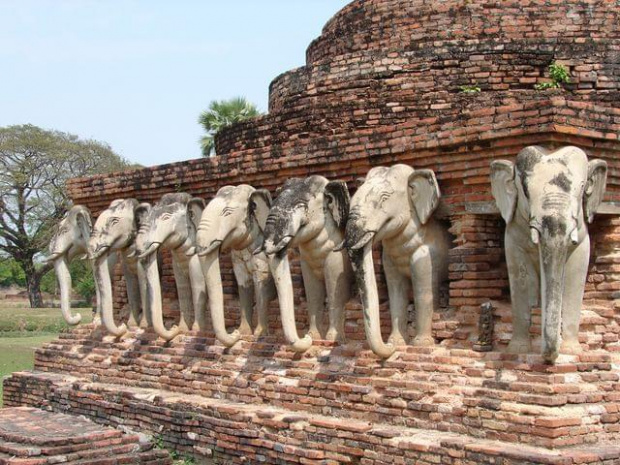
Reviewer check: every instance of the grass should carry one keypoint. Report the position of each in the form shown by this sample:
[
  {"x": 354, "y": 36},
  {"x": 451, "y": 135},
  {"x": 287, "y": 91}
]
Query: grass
[
  {"x": 23, "y": 321},
  {"x": 23, "y": 329}
]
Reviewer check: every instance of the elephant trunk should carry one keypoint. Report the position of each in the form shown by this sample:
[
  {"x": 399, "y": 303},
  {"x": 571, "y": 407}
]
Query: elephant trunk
[
  {"x": 153, "y": 292},
  {"x": 279, "y": 266},
  {"x": 553, "y": 263},
  {"x": 104, "y": 283},
  {"x": 64, "y": 281},
  {"x": 363, "y": 267},
  {"x": 211, "y": 269}
]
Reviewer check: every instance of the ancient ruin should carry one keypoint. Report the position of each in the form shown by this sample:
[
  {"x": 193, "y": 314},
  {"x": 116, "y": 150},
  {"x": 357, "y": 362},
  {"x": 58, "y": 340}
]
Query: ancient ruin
[{"x": 448, "y": 89}]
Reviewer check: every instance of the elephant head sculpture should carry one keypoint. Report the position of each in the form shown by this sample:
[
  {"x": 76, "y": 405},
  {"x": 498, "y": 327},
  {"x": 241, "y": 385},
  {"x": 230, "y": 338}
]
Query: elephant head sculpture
[
  {"x": 394, "y": 206},
  {"x": 114, "y": 233},
  {"x": 69, "y": 241},
  {"x": 234, "y": 220},
  {"x": 546, "y": 200},
  {"x": 310, "y": 213},
  {"x": 170, "y": 224}
]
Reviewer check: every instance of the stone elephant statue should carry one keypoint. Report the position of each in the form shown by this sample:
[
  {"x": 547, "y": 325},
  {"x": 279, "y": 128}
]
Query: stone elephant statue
[
  {"x": 310, "y": 213},
  {"x": 394, "y": 206},
  {"x": 114, "y": 233},
  {"x": 170, "y": 224},
  {"x": 70, "y": 241},
  {"x": 546, "y": 200},
  {"x": 234, "y": 220}
]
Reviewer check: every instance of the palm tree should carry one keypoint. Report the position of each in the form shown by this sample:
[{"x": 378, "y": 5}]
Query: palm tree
[{"x": 223, "y": 113}]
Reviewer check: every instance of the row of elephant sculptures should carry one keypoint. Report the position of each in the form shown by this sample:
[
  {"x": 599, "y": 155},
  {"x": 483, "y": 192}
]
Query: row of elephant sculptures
[{"x": 545, "y": 198}]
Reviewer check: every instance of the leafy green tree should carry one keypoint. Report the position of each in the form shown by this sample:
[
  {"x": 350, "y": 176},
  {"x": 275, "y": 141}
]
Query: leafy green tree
[
  {"x": 10, "y": 273},
  {"x": 223, "y": 113},
  {"x": 34, "y": 166}
]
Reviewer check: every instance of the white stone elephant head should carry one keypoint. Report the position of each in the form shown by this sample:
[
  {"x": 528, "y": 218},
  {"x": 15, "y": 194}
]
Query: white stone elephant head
[
  {"x": 234, "y": 220},
  {"x": 70, "y": 241},
  {"x": 546, "y": 200},
  {"x": 170, "y": 224},
  {"x": 114, "y": 232},
  {"x": 395, "y": 205},
  {"x": 310, "y": 213}
]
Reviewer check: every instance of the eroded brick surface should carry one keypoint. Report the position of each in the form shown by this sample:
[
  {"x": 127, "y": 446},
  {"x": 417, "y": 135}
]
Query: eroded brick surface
[{"x": 29, "y": 436}]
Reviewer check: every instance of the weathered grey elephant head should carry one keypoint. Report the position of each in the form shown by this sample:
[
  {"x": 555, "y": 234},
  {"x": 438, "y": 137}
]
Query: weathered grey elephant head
[
  {"x": 170, "y": 223},
  {"x": 387, "y": 201},
  {"x": 230, "y": 216},
  {"x": 71, "y": 237},
  {"x": 69, "y": 241},
  {"x": 392, "y": 201},
  {"x": 233, "y": 219},
  {"x": 299, "y": 211},
  {"x": 549, "y": 197},
  {"x": 114, "y": 230}
]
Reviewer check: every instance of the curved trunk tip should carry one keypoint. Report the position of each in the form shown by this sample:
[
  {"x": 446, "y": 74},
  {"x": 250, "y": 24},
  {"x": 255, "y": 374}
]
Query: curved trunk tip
[{"x": 303, "y": 344}]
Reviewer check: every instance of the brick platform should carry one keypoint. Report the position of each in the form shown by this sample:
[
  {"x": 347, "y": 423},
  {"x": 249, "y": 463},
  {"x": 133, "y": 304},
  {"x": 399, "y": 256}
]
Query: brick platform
[
  {"x": 31, "y": 436},
  {"x": 188, "y": 386},
  {"x": 224, "y": 432}
]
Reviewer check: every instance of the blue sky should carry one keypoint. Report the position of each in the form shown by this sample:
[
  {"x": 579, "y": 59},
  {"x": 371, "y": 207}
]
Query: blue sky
[{"x": 137, "y": 73}]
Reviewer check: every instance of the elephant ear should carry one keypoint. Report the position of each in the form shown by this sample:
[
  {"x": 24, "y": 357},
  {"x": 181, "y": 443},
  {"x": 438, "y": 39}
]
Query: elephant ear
[
  {"x": 259, "y": 205},
  {"x": 424, "y": 193},
  {"x": 140, "y": 214},
  {"x": 84, "y": 222},
  {"x": 504, "y": 188},
  {"x": 595, "y": 188},
  {"x": 194, "y": 212},
  {"x": 337, "y": 200}
]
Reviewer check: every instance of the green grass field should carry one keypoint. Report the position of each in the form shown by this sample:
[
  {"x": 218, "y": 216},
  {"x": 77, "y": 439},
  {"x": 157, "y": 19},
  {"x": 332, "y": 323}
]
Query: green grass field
[{"x": 23, "y": 329}]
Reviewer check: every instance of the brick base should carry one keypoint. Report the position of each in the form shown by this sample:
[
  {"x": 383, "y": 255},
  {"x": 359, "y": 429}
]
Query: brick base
[{"x": 223, "y": 432}]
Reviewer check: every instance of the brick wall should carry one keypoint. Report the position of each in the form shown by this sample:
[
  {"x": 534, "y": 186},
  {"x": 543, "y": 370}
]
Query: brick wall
[{"x": 381, "y": 86}]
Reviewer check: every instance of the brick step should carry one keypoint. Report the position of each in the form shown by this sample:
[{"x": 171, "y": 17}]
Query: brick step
[
  {"x": 28, "y": 449},
  {"x": 39, "y": 437},
  {"x": 238, "y": 433}
]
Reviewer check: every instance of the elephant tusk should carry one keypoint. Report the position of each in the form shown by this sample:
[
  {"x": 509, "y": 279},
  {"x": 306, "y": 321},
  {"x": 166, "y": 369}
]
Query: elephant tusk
[
  {"x": 279, "y": 247},
  {"x": 366, "y": 238},
  {"x": 574, "y": 236},
  {"x": 51, "y": 258},
  {"x": 260, "y": 249},
  {"x": 151, "y": 249},
  {"x": 535, "y": 235},
  {"x": 98, "y": 252},
  {"x": 339, "y": 247},
  {"x": 190, "y": 252},
  {"x": 204, "y": 251}
]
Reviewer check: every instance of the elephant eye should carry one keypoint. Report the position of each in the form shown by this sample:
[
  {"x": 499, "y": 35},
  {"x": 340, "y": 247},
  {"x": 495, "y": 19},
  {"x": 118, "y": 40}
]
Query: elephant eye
[
  {"x": 228, "y": 211},
  {"x": 301, "y": 205},
  {"x": 383, "y": 198},
  {"x": 166, "y": 216},
  {"x": 114, "y": 221}
]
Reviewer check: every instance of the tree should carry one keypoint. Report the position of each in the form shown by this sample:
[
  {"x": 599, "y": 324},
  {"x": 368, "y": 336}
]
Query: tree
[
  {"x": 34, "y": 167},
  {"x": 221, "y": 114}
]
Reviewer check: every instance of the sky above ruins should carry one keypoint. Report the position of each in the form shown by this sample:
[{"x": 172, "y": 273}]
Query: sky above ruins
[{"x": 137, "y": 73}]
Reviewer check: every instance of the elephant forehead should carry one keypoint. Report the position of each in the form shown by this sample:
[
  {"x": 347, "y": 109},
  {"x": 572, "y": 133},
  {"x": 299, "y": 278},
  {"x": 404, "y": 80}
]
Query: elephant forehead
[
  {"x": 372, "y": 190},
  {"x": 172, "y": 208},
  {"x": 294, "y": 193},
  {"x": 226, "y": 201},
  {"x": 555, "y": 174}
]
